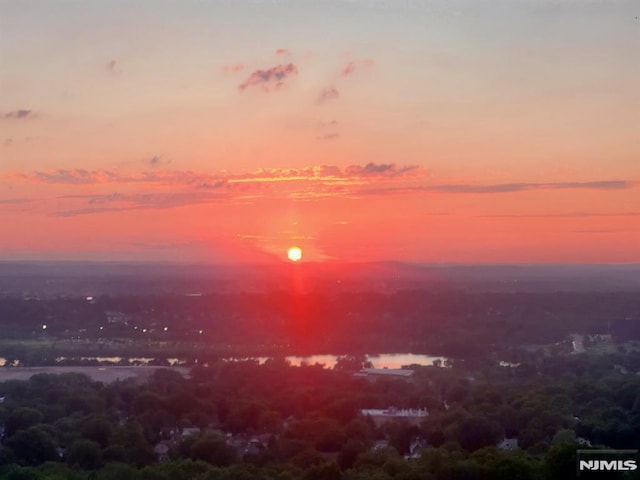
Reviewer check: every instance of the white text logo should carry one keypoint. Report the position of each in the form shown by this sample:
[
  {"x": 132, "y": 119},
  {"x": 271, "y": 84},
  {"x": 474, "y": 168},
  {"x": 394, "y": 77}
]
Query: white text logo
[{"x": 607, "y": 465}]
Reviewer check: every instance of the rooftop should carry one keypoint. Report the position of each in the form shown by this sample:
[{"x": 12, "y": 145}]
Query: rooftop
[
  {"x": 394, "y": 412},
  {"x": 399, "y": 372}
]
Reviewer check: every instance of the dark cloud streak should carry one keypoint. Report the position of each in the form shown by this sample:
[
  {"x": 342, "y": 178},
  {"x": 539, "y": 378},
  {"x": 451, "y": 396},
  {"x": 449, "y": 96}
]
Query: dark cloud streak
[
  {"x": 563, "y": 215},
  {"x": 14, "y": 201},
  {"x": 506, "y": 187},
  {"x": 19, "y": 114},
  {"x": 112, "y": 69},
  {"x": 122, "y": 202},
  {"x": 520, "y": 187},
  {"x": 273, "y": 77},
  {"x": 327, "y": 94},
  {"x": 378, "y": 169},
  {"x": 329, "y": 136}
]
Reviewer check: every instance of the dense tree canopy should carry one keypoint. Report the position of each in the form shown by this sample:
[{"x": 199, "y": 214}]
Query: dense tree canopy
[{"x": 274, "y": 421}]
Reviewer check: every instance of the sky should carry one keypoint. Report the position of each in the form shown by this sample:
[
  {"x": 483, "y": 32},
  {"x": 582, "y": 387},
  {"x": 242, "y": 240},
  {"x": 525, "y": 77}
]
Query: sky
[{"x": 464, "y": 131}]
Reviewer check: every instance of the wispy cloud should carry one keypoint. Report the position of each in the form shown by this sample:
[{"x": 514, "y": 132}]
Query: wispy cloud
[
  {"x": 157, "y": 161},
  {"x": 329, "y": 124},
  {"x": 158, "y": 188},
  {"x": 117, "y": 202},
  {"x": 355, "y": 65},
  {"x": 329, "y": 136},
  {"x": 272, "y": 78},
  {"x": 80, "y": 176},
  {"x": 508, "y": 187},
  {"x": 563, "y": 215},
  {"x": 14, "y": 201},
  {"x": 282, "y": 51},
  {"x": 325, "y": 173},
  {"x": 603, "y": 230},
  {"x": 7, "y": 142},
  {"x": 75, "y": 176},
  {"x": 112, "y": 68},
  {"x": 19, "y": 114},
  {"x": 317, "y": 173},
  {"x": 233, "y": 68},
  {"x": 520, "y": 187},
  {"x": 379, "y": 169},
  {"x": 328, "y": 93}
]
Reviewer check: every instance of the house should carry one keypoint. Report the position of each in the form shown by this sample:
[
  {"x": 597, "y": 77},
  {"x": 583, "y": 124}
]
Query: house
[
  {"x": 583, "y": 441},
  {"x": 162, "y": 450},
  {"x": 416, "y": 447},
  {"x": 380, "y": 445},
  {"x": 251, "y": 445},
  {"x": 508, "y": 444},
  {"x": 116, "y": 317},
  {"x": 189, "y": 432},
  {"x": 380, "y": 416}
]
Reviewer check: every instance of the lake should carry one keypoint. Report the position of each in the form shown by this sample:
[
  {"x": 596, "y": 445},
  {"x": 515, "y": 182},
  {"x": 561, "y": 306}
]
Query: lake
[{"x": 383, "y": 360}]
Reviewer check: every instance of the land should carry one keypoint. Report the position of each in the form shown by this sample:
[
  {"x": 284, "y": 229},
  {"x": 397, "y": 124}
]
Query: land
[{"x": 540, "y": 362}]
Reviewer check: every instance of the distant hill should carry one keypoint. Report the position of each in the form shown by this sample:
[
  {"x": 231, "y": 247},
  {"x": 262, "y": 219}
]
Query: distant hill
[{"x": 78, "y": 278}]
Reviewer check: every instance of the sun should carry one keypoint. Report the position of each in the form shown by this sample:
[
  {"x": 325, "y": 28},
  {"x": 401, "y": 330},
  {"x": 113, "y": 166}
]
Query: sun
[{"x": 294, "y": 254}]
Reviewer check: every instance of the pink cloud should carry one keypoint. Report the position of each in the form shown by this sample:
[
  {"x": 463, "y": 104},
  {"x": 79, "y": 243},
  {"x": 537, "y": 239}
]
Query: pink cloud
[
  {"x": 355, "y": 65},
  {"x": 273, "y": 77},
  {"x": 233, "y": 68},
  {"x": 328, "y": 93}
]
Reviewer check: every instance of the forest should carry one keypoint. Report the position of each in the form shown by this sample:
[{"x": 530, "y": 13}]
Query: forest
[
  {"x": 453, "y": 323},
  {"x": 244, "y": 420}
]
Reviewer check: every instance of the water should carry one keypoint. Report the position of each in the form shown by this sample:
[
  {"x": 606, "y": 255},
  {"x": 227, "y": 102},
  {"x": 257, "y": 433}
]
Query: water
[{"x": 384, "y": 360}]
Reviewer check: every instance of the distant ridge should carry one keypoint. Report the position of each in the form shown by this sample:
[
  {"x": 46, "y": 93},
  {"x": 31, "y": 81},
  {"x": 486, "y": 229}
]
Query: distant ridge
[{"x": 91, "y": 278}]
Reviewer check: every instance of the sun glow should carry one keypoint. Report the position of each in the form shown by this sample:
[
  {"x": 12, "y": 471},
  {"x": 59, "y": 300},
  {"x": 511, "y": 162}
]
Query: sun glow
[{"x": 294, "y": 254}]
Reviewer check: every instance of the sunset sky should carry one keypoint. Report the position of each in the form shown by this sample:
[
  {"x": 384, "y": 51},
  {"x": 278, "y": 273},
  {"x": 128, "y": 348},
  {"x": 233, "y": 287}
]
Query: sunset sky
[{"x": 226, "y": 131}]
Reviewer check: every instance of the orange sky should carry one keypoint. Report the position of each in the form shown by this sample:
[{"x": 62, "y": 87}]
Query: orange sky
[{"x": 228, "y": 131}]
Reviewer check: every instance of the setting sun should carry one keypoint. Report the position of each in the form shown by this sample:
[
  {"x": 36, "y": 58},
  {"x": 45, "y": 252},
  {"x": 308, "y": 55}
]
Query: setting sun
[{"x": 294, "y": 254}]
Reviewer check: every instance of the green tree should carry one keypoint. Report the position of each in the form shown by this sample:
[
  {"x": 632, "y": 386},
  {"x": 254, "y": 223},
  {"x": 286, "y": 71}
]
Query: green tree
[
  {"x": 118, "y": 471},
  {"x": 97, "y": 429},
  {"x": 33, "y": 446},
  {"x": 564, "y": 436},
  {"x": 214, "y": 450},
  {"x": 21, "y": 473},
  {"x": 84, "y": 453},
  {"x": 22, "y": 418},
  {"x": 352, "y": 363},
  {"x": 323, "y": 471},
  {"x": 132, "y": 440},
  {"x": 477, "y": 432},
  {"x": 349, "y": 453},
  {"x": 114, "y": 453},
  {"x": 560, "y": 461}
]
